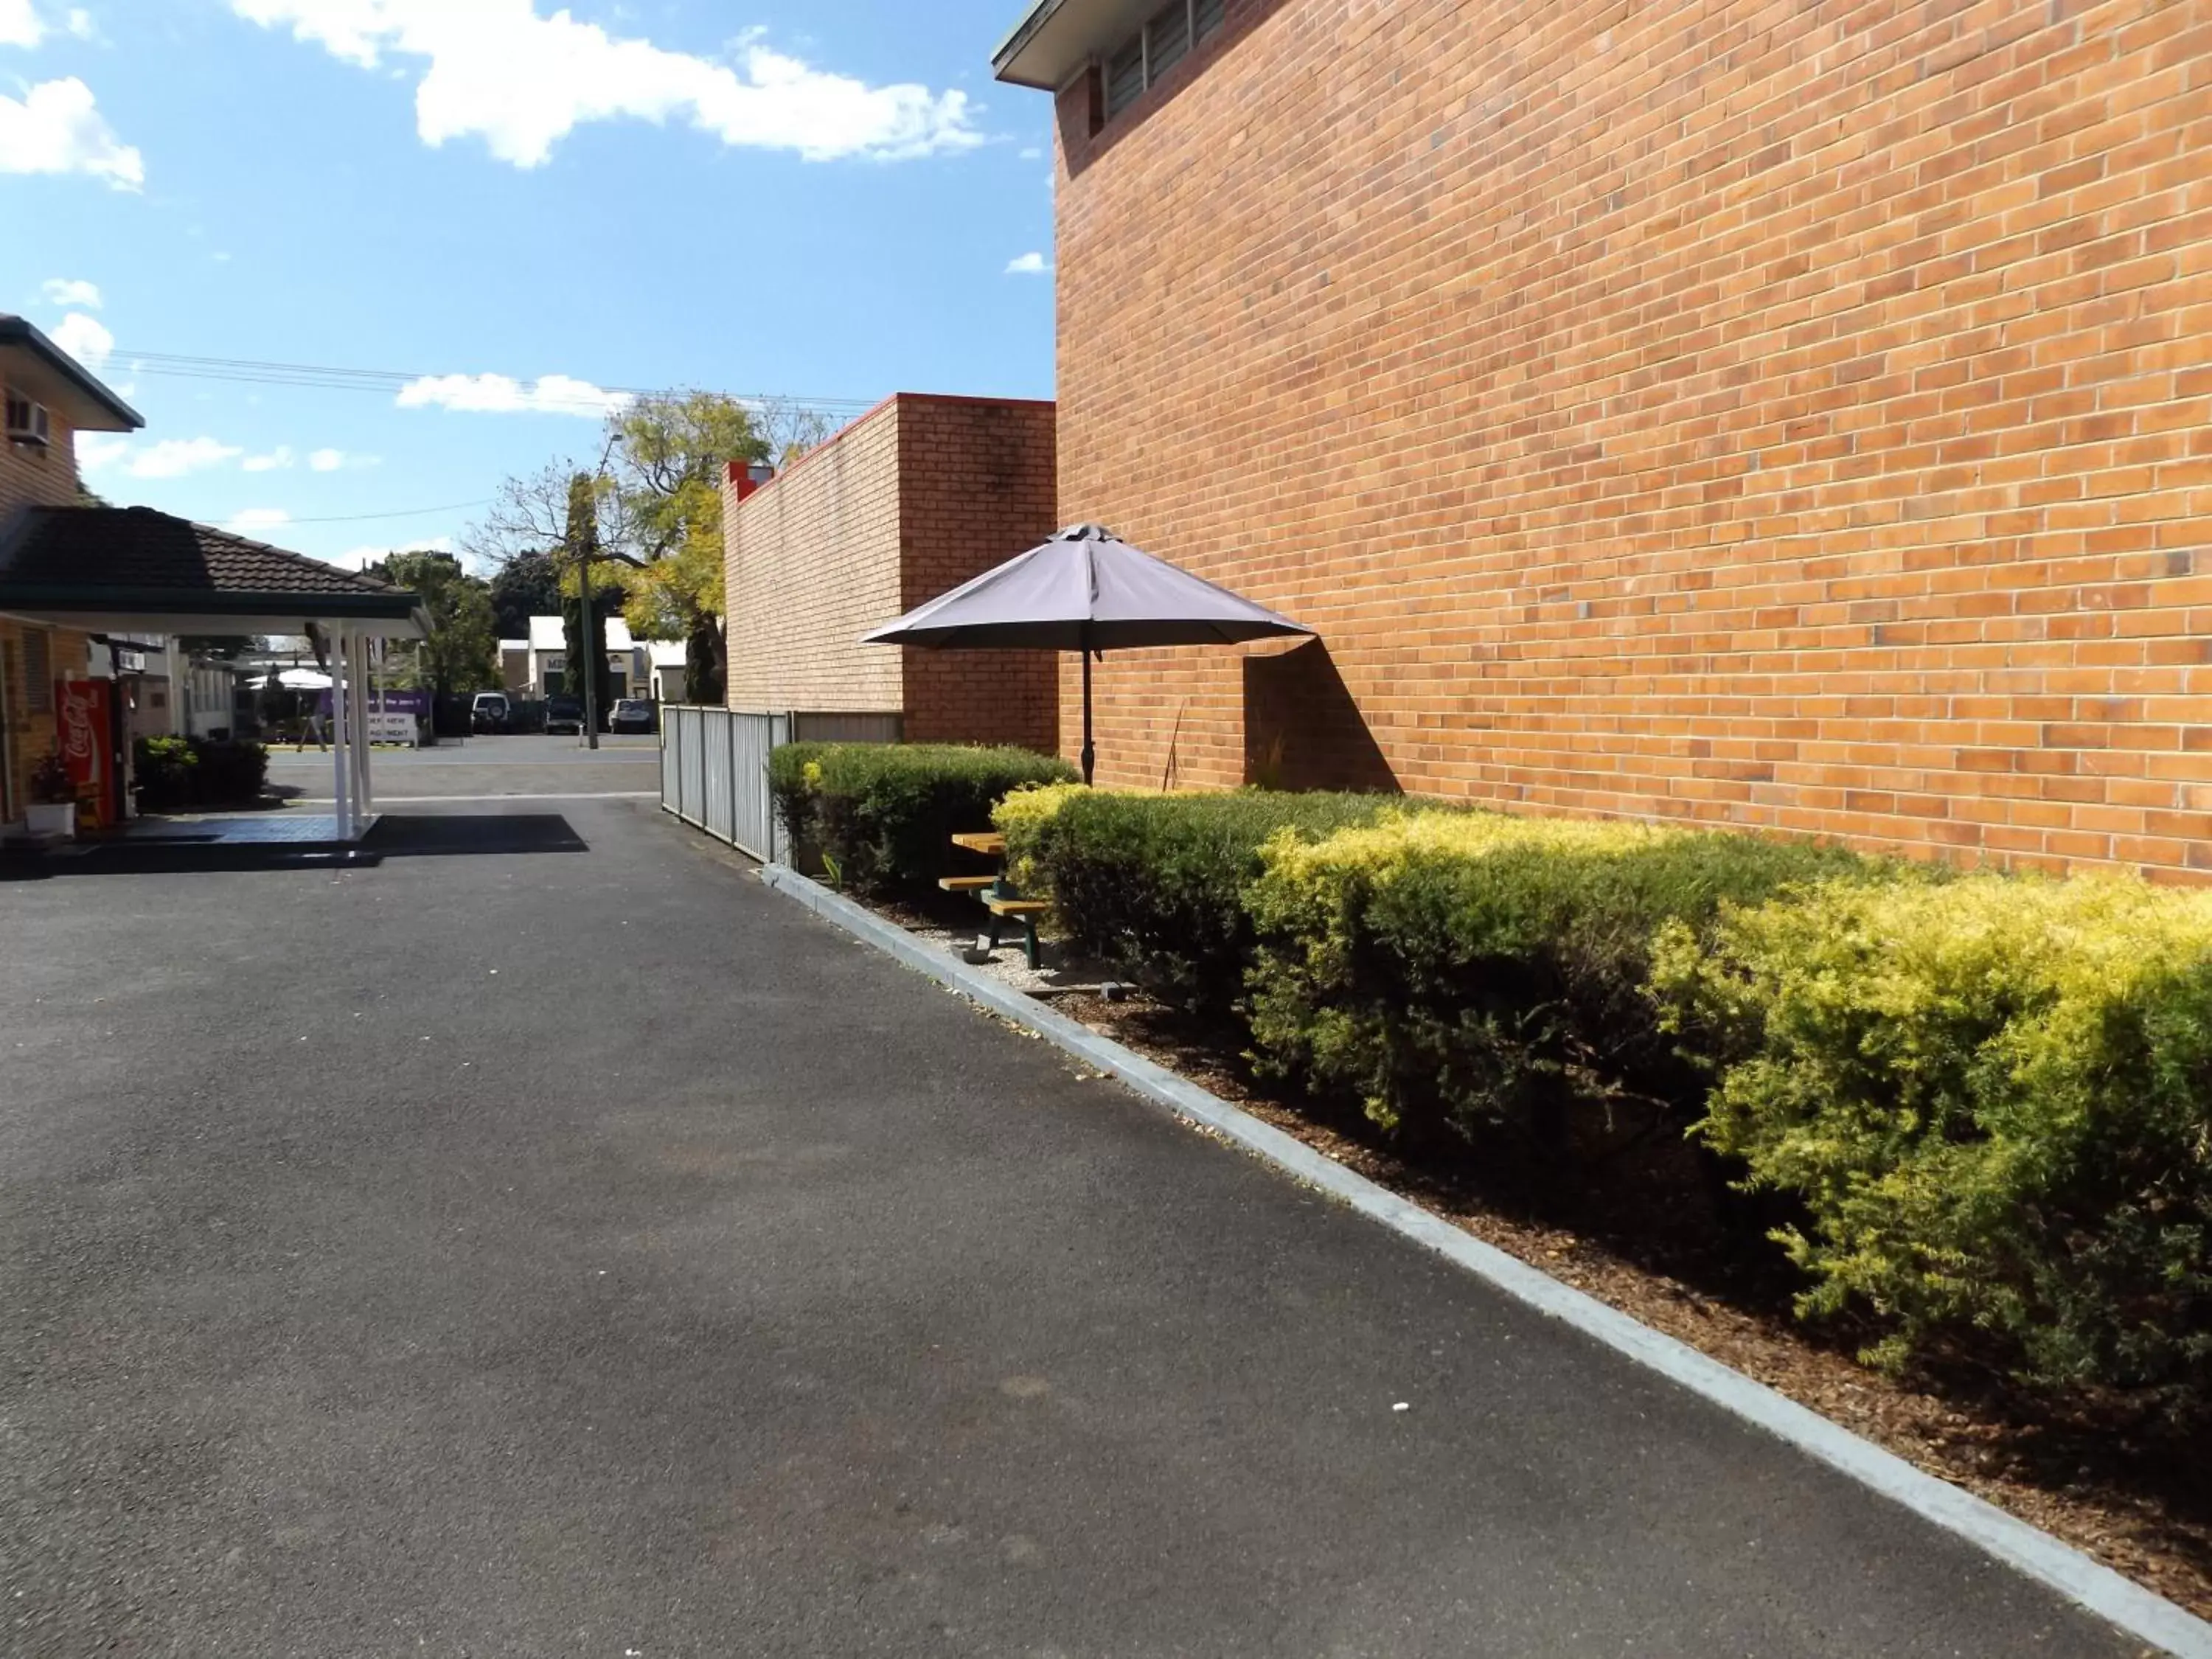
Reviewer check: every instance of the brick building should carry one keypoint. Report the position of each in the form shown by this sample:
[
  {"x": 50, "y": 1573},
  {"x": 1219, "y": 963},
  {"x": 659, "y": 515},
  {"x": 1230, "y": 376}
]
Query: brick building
[
  {"x": 1796, "y": 417},
  {"x": 911, "y": 500},
  {"x": 50, "y": 399}
]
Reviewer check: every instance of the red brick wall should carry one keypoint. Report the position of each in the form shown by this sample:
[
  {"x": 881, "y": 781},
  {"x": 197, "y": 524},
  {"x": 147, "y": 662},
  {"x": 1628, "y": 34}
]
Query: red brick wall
[
  {"x": 913, "y": 499},
  {"x": 1788, "y": 416},
  {"x": 31, "y": 478},
  {"x": 978, "y": 488}
]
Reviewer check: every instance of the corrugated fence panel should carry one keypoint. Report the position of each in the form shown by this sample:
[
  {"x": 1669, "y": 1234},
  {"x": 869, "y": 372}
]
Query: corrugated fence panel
[
  {"x": 691, "y": 764},
  {"x": 713, "y": 766},
  {"x": 718, "y": 817}
]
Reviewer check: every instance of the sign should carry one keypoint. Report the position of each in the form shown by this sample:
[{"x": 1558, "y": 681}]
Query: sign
[
  {"x": 392, "y": 729},
  {"x": 87, "y": 712}
]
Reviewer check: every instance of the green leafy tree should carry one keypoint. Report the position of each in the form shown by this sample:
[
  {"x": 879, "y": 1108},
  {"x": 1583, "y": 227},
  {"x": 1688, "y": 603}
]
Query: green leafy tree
[
  {"x": 664, "y": 509},
  {"x": 461, "y": 653},
  {"x": 657, "y": 491},
  {"x": 528, "y": 585},
  {"x": 584, "y": 636}
]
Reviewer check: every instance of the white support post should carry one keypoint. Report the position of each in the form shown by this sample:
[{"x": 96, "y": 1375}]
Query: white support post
[
  {"x": 341, "y": 763},
  {"x": 366, "y": 795}
]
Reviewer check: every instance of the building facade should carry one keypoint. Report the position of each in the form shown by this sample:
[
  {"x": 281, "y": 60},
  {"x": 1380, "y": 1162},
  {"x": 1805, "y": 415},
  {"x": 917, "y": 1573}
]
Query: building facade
[
  {"x": 49, "y": 399},
  {"x": 1790, "y": 417},
  {"x": 910, "y": 500}
]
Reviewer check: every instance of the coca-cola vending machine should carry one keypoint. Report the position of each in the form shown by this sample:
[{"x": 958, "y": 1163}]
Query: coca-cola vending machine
[{"x": 87, "y": 718}]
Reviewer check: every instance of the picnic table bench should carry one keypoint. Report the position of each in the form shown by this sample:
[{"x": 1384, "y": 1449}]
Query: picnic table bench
[{"x": 996, "y": 894}]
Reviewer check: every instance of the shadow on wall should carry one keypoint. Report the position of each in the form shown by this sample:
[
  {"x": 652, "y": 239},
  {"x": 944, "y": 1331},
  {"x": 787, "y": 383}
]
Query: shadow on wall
[{"x": 1302, "y": 728}]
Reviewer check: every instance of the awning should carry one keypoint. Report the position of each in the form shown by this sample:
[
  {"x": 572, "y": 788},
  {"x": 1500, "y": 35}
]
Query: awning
[{"x": 130, "y": 569}]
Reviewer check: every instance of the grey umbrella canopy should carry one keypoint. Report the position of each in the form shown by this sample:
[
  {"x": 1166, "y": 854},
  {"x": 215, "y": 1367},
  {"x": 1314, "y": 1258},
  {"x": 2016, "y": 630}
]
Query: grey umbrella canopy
[{"x": 1085, "y": 589}]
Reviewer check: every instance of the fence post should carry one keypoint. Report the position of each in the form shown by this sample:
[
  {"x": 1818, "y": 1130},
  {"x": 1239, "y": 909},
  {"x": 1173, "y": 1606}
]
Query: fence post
[{"x": 730, "y": 747}]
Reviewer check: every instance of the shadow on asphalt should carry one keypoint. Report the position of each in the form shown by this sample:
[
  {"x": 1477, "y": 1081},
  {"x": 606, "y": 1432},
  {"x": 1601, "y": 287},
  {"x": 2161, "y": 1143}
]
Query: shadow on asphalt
[{"x": 474, "y": 835}]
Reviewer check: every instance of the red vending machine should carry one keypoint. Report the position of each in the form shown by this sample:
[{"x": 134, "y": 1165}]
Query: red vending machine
[{"x": 87, "y": 717}]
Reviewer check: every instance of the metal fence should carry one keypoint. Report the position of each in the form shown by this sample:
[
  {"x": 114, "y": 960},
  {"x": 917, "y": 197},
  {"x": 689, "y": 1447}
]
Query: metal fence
[
  {"x": 713, "y": 766},
  {"x": 713, "y": 774}
]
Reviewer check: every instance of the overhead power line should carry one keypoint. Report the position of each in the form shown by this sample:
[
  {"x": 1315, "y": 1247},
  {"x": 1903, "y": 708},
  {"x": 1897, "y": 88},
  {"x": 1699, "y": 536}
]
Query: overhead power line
[
  {"x": 330, "y": 378},
  {"x": 409, "y": 513}
]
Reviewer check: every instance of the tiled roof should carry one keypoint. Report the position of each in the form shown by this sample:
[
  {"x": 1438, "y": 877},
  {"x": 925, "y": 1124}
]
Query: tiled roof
[{"x": 135, "y": 549}]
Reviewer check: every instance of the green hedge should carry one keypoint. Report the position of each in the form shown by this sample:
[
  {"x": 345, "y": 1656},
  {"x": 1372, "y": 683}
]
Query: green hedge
[
  {"x": 883, "y": 814},
  {"x": 1473, "y": 974},
  {"x": 1986, "y": 1102},
  {"x": 1994, "y": 1098},
  {"x": 1154, "y": 885}
]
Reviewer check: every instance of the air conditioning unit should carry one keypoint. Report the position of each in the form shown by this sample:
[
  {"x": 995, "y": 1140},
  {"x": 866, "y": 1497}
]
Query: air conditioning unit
[{"x": 27, "y": 423}]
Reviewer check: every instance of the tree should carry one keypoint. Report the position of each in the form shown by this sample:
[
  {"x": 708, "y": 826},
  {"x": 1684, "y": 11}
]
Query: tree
[
  {"x": 584, "y": 635},
  {"x": 656, "y": 498},
  {"x": 461, "y": 653},
  {"x": 528, "y": 585},
  {"x": 664, "y": 510}
]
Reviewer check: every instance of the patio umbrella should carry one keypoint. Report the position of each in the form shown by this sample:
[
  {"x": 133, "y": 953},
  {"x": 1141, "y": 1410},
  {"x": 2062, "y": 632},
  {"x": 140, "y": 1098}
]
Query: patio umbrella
[
  {"x": 1085, "y": 589},
  {"x": 292, "y": 679}
]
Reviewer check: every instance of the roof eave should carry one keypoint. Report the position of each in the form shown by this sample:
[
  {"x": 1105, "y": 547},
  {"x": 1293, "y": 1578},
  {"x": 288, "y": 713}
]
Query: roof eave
[
  {"x": 17, "y": 331},
  {"x": 92, "y": 599}
]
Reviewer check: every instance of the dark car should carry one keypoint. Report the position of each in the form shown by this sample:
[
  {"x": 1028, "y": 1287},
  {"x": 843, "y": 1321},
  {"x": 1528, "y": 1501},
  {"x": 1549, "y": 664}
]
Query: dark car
[
  {"x": 564, "y": 714},
  {"x": 631, "y": 714}
]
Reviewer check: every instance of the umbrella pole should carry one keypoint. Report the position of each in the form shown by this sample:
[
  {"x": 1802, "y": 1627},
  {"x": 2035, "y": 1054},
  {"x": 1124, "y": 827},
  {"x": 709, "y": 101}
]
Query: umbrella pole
[{"x": 1090, "y": 753}]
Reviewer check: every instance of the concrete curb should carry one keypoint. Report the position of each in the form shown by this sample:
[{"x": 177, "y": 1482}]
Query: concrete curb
[{"x": 2119, "y": 1601}]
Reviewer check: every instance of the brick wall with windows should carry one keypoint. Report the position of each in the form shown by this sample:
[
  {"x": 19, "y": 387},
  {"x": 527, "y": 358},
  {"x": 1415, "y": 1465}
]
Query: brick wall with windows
[
  {"x": 33, "y": 478},
  {"x": 910, "y": 500},
  {"x": 1792, "y": 416}
]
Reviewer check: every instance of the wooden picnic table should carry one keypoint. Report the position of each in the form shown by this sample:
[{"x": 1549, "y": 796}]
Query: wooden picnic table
[{"x": 995, "y": 894}]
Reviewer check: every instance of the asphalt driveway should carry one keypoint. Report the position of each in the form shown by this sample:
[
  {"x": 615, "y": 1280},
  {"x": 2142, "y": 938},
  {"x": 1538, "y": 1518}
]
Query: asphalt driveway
[{"x": 545, "y": 1241}]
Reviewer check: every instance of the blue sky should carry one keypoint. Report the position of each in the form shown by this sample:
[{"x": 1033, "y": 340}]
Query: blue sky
[{"x": 822, "y": 200}]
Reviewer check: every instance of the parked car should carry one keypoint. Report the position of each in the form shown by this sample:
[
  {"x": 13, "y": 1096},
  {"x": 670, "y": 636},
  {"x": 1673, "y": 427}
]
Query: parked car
[
  {"x": 632, "y": 714},
  {"x": 491, "y": 712},
  {"x": 564, "y": 715}
]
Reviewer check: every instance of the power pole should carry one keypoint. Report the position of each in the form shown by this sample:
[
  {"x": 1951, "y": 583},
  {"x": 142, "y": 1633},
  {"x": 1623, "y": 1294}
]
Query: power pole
[
  {"x": 584, "y": 536},
  {"x": 589, "y": 642}
]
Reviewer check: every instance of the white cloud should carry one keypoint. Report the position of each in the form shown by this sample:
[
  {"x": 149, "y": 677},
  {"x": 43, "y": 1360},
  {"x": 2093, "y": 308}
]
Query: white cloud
[
  {"x": 172, "y": 458},
  {"x": 61, "y": 291},
  {"x": 327, "y": 461},
  {"x": 257, "y": 521},
  {"x": 1027, "y": 264},
  {"x": 277, "y": 460},
  {"x": 19, "y": 24},
  {"x": 497, "y": 394},
  {"x": 494, "y": 68},
  {"x": 96, "y": 452},
  {"x": 79, "y": 22},
  {"x": 57, "y": 129},
  {"x": 1032, "y": 154},
  {"x": 85, "y": 338}
]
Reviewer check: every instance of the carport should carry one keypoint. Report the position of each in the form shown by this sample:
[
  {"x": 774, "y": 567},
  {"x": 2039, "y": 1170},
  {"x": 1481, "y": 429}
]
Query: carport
[{"x": 134, "y": 571}]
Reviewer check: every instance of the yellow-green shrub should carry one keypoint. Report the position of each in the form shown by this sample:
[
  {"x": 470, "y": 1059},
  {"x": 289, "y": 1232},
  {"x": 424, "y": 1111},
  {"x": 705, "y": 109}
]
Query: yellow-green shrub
[
  {"x": 1477, "y": 973},
  {"x": 1994, "y": 1098},
  {"x": 1023, "y": 818}
]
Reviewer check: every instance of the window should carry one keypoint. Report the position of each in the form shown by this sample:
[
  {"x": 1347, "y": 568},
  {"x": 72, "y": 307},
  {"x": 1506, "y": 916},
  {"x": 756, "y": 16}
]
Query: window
[
  {"x": 1167, "y": 39},
  {"x": 37, "y": 672},
  {"x": 1125, "y": 78},
  {"x": 1164, "y": 42}
]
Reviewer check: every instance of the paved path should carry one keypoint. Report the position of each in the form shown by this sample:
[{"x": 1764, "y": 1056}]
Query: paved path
[{"x": 586, "y": 1252}]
